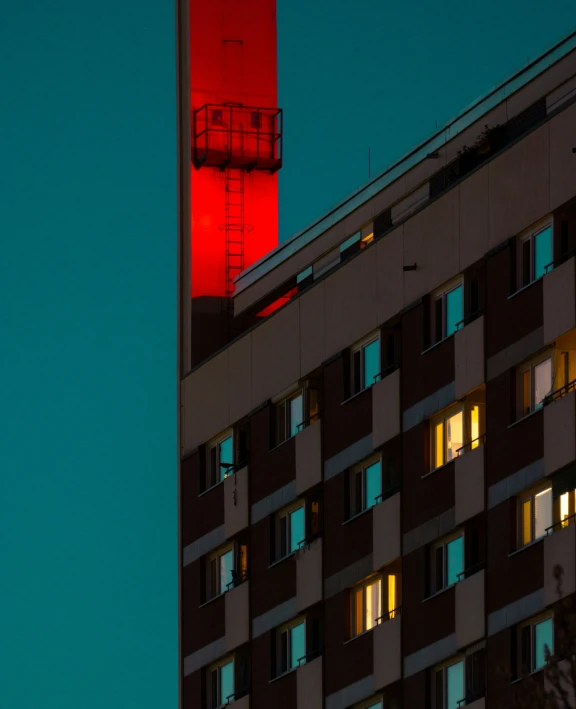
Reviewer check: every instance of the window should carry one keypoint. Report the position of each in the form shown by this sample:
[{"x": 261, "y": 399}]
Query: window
[
  {"x": 217, "y": 119},
  {"x": 220, "y": 683},
  {"x": 535, "y": 254},
  {"x": 291, "y": 649},
  {"x": 226, "y": 568},
  {"x": 366, "y": 606},
  {"x": 457, "y": 430},
  {"x": 365, "y": 487},
  {"x": 290, "y": 531},
  {"x": 565, "y": 508},
  {"x": 295, "y": 412},
  {"x": 447, "y": 310},
  {"x": 447, "y": 563},
  {"x": 536, "y": 640},
  {"x": 365, "y": 364},
  {"x": 535, "y": 516},
  {"x": 449, "y": 686},
  {"x": 220, "y": 463},
  {"x": 534, "y": 384},
  {"x": 372, "y": 703},
  {"x": 256, "y": 120}
]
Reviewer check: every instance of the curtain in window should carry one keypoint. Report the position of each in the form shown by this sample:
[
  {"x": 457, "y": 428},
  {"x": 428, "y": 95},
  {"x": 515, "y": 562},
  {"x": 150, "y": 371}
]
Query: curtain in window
[{"x": 542, "y": 512}]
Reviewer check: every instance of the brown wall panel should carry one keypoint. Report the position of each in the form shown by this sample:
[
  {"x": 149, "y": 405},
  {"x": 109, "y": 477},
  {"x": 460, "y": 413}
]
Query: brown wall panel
[
  {"x": 343, "y": 544},
  {"x": 280, "y": 694},
  {"x": 270, "y": 469},
  {"x": 344, "y": 424},
  {"x": 509, "y": 448},
  {"x": 204, "y": 624},
  {"x": 192, "y": 690},
  {"x": 509, "y": 319},
  {"x": 345, "y": 662},
  {"x": 423, "y": 498},
  {"x": 423, "y": 623},
  {"x": 270, "y": 585},
  {"x": 423, "y": 374},
  {"x": 510, "y": 577},
  {"x": 416, "y": 692},
  {"x": 200, "y": 514}
]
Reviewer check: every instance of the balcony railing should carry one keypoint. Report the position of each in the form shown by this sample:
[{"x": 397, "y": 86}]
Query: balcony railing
[
  {"x": 471, "y": 571},
  {"x": 468, "y": 319},
  {"x": 471, "y": 697},
  {"x": 470, "y": 445},
  {"x": 237, "y": 579},
  {"x": 389, "y": 615},
  {"x": 560, "y": 524},
  {"x": 309, "y": 656},
  {"x": 559, "y": 393}
]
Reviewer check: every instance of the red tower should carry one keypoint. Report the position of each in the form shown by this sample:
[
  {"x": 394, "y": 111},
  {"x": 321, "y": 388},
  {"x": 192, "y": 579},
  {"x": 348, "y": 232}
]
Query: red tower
[{"x": 236, "y": 139}]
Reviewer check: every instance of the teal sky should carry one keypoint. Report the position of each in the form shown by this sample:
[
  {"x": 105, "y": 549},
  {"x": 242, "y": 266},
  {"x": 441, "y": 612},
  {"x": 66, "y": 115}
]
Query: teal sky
[{"x": 88, "y": 294}]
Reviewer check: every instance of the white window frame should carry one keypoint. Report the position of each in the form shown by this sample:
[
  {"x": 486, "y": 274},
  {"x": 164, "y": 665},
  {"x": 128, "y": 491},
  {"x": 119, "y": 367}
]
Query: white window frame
[
  {"x": 361, "y": 468},
  {"x": 215, "y": 444},
  {"x": 441, "y": 294},
  {"x": 217, "y": 667},
  {"x": 216, "y": 555},
  {"x": 354, "y": 632},
  {"x": 286, "y": 630},
  {"x": 360, "y": 347},
  {"x": 530, "y": 235},
  {"x": 530, "y": 495},
  {"x": 530, "y": 366},
  {"x": 286, "y": 514}
]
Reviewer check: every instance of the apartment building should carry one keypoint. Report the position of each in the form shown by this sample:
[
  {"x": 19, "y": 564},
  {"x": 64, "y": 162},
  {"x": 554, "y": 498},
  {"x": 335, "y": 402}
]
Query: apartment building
[{"x": 378, "y": 471}]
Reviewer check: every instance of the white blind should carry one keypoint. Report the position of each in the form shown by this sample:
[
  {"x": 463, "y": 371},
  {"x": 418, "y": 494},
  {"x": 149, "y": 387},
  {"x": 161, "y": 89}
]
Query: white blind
[{"x": 542, "y": 512}]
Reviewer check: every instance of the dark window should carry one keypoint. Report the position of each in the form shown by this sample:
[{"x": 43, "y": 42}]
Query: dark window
[{"x": 217, "y": 119}]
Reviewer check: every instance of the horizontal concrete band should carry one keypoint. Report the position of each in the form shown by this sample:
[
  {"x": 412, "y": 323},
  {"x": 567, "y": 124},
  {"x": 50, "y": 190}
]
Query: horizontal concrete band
[
  {"x": 429, "y": 531},
  {"x": 351, "y": 694},
  {"x": 430, "y": 655},
  {"x": 203, "y": 545},
  {"x": 516, "y": 612},
  {"x": 204, "y": 656},
  {"x": 514, "y": 354},
  {"x": 274, "y": 502},
  {"x": 342, "y": 580},
  {"x": 429, "y": 406},
  {"x": 515, "y": 483},
  {"x": 348, "y": 457},
  {"x": 274, "y": 617}
]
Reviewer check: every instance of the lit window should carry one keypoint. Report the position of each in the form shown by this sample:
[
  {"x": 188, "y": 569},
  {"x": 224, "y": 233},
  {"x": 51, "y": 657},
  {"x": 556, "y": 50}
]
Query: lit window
[
  {"x": 365, "y": 364},
  {"x": 536, "y": 254},
  {"x": 365, "y": 487},
  {"x": 392, "y": 607},
  {"x": 536, "y": 640},
  {"x": 447, "y": 563},
  {"x": 448, "y": 310},
  {"x": 566, "y": 508},
  {"x": 220, "y": 459},
  {"x": 456, "y": 430},
  {"x": 366, "y": 606},
  {"x": 535, "y": 383},
  {"x": 291, "y": 531},
  {"x": 220, "y": 684},
  {"x": 535, "y": 516},
  {"x": 291, "y": 651},
  {"x": 350, "y": 241}
]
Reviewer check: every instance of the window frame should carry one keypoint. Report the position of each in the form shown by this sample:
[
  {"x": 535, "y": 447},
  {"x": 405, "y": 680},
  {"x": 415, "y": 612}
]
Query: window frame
[
  {"x": 530, "y": 496},
  {"x": 213, "y": 476},
  {"x": 363, "y": 585},
  {"x": 286, "y": 513},
  {"x": 361, "y": 468},
  {"x": 532, "y": 623},
  {"x": 529, "y": 366},
  {"x": 217, "y": 667},
  {"x": 530, "y": 236},
  {"x": 465, "y": 407},
  {"x": 360, "y": 347},
  {"x": 443, "y": 669},
  {"x": 441, "y": 294},
  {"x": 284, "y": 404},
  {"x": 286, "y": 629},
  {"x": 216, "y": 555},
  {"x": 443, "y": 544},
  {"x": 376, "y": 702}
]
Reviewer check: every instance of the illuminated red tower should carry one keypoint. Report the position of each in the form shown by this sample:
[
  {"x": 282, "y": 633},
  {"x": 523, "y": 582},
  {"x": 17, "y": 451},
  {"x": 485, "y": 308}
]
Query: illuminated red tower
[{"x": 236, "y": 143}]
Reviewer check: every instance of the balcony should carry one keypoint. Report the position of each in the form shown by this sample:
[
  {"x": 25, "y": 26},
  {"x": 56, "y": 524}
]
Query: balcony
[
  {"x": 469, "y": 357},
  {"x": 386, "y": 409},
  {"x": 559, "y": 300},
  {"x": 469, "y": 604},
  {"x": 309, "y": 685},
  {"x": 308, "y": 443},
  {"x": 236, "y": 502},
  {"x": 242, "y": 703},
  {"x": 308, "y": 574},
  {"x": 237, "y": 616},
  {"x": 387, "y": 638},
  {"x": 386, "y": 531},
  {"x": 469, "y": 483},
  {"x": 559, "y": 549},
  {"x": 559, "y": 429},
  {"x": 240, "y": 137}
]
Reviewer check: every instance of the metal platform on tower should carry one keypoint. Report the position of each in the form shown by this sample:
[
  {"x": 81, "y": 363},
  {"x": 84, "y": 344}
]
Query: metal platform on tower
[{"x": 239, "y": 137}]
